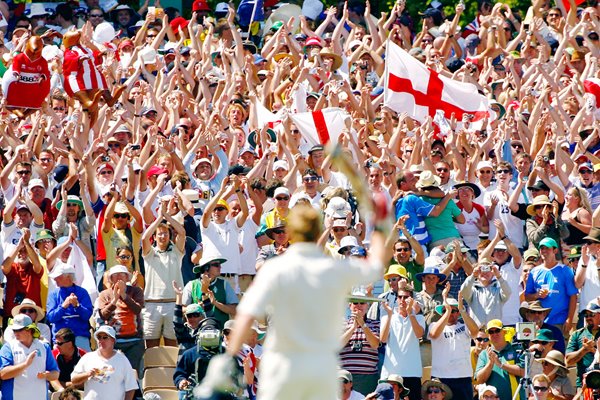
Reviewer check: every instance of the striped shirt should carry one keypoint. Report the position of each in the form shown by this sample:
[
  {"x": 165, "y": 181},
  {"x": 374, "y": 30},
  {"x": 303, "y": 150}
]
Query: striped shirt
[
  {"x": 417, "y": 209},
  {"x": 357, "y": 356}
]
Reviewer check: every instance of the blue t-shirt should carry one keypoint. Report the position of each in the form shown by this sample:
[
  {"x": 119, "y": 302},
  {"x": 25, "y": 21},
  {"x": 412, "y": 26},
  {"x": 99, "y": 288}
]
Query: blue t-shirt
[
  {"x": 417, "y": 209},
  {"x": 27, "y": 385},
  {"x": 561, "y": 286}
]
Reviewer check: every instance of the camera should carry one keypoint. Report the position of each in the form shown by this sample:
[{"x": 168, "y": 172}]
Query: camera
[
  {"x": 135, "y": 147},
  {"x": 106, "y": 158},
  {"x": 486, "y": 268},
  {"x": 592, "y": 379},
  {"x": 209, "y": 338}
]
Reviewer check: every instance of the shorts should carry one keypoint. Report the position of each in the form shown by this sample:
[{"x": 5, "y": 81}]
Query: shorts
[{"x": 158, "y": 320}]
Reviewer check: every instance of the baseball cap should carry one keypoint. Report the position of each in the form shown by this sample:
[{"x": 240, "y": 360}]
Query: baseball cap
[
  {"x": 21, "y": 321},
  {"x": 109, "y": 330},
  {"x": 193, "y": 309},
  {"x": 494, "y": 324},
  {"x": 281, "y": 190},
  {"x": 548, "y": 242}
]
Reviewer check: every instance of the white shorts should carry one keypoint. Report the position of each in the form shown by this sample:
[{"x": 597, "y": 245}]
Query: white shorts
[{"x": 158, "y": 320}]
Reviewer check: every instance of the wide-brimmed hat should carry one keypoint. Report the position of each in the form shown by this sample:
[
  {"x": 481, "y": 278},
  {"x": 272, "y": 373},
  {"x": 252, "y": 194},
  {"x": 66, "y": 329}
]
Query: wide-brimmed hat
[
  {"x": 206, "y": 259},
  {"x": 531, "y": 306},
  {"x": 119, "y": 269},
  {"x": 61, "y": 270},
  {"x": 270, "y": 231},
  {"x": 593, "y": 236},
  {"x": 428, "y": 179},
  {"x": 469, "y": 185},
  {"x": 347, "y": 243},
  {"x": 252, "y": 137},
  {"x": 554, "y": 357},
  {"x": 451, "y": 302},
  {"x": 44, "y": 234},
  {"x": 398, "y": 380},
  {"x": 544, "y": 335},
  {"x": 431, "y": 270},
  {"x": 395, "y": 269},
  {"x": 73, "y": 200},
  {"x": 436, "y": 383},
  {"x": 21, "y": 321},
  {"x": 359, "y": 295},
  {"x": 28, "y": 303},
  {"x": 337, "y": 59},
  {"x": 542, "y": 200},
  {"x": 574, "y": 252}
]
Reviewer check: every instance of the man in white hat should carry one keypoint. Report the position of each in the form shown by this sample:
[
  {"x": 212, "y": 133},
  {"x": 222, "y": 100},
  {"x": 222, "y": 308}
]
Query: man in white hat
[
  {"x": 69, "y": 305},
  {"x": 105, "y": 372},
  {"x": 120, "y": 306},
  {"x": 26, "y": 364}
]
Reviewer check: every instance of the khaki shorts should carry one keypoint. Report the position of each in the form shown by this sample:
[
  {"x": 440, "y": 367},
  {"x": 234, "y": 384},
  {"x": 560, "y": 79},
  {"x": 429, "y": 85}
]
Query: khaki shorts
[{"x": 158, "y": 320}]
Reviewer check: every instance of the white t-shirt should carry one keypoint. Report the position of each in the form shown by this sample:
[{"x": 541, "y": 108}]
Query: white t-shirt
[
  {"x": 249, "y": 247},
  {"x": 510, "y": 309},
  {"x": 402, "y": 345},
  {"x": 162, "y": 268},
  {"x": 451, "y": 352},
  {"x": 591, "y": 287},
  {"x": 223, "y": 239},
  {"x": 513, "y": 225},
  {"x": 115, "y": 379}
]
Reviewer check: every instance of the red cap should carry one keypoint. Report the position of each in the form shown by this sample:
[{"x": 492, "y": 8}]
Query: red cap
[
  {"x": 200, "y": 5},
  {"x": 126, "y": 43},
  {"x": 156, "y": 170},
  {"x": 313, "y": 41},
  {"x": 179, "y": 23},
  {"x": 270, "y": 3},
  {"x": 104, "y": 165}
]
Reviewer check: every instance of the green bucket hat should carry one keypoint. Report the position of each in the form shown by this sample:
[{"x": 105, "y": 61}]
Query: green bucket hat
[
  {"x": 73, "y": 200},
  {"x": 575, "y": 252},
  {"x": 545, "y": 335},
  {"x": 44, "y": 234}
]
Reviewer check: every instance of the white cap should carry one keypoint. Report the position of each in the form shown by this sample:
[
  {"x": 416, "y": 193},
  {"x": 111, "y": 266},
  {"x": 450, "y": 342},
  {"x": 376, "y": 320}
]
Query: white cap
[
  {"x": 35, "y": 183},
  {"x": 484, "y": 164},
  {"x": 61, "y": 270},
  {"x": 338, "y": 208},
  {"x": 221, "y": 8},
  {"x": 280, "y": 164},
  {"x": 51, "y": 51},
  {"x": 281, "y": 190},
  {"x": 434, "y": 261},
  {"x": 104, "y": 33},
  {"x": 109, "y": 330},
  {"x": 348, "y": 241}
]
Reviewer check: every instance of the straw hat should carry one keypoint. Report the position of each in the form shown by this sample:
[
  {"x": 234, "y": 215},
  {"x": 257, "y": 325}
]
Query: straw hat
[
  {"x": 428, "y": 179},
  {"x": 337, "y": 59},
  {"x": 542, "y": 200},
  {"x": 554, "y": 357}
]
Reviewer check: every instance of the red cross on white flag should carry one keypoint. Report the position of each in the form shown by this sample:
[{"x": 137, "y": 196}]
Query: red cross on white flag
[
  {"x": 413, "y": 88},
  {"x": 321, "y": 126}
]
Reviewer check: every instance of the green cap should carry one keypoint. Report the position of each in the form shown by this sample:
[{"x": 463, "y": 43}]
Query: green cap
[
  {"x": 545, "y": 335},
  {"x": 548, "y": 242},
  {"x": 194, "y": 308},
  {"x": 44, "y": 234},
  {"x": 275, "y": 27},
  {"x": 575, "y": 252}
]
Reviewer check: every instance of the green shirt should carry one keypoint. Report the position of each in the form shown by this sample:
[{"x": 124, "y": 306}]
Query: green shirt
[
  {"x": 500, "y": 378},
  {"x": 576, "y": 343},
  {"x": 412, "y": 269}
]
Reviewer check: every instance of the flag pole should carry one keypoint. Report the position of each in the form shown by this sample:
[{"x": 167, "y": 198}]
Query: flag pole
[{"x": 252, "y": 18}]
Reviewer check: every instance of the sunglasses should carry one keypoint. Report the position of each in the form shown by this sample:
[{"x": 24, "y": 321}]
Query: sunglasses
[
  {"x": 124, "y": 257},
  {"x": 589, "y": 315},
  {"x": 585, "y": 171},
  {"x": 106, "y": 172},
  {"x": 114, "y": 145},
  {"x": 59, "y": 343},
  {"x": 282, "y": 198},
  {"x": 403, "y": 250},
  {"x": 337, "y": 230},
  {"x": 442, "y": 170},
  {"x": 393, "y": 279},
  {"x": 215, "y": 264},
  {"x": 540, "y": 388},
  {"x": 103, "y": 337},
  {"x": 121, "y": 216},
  {"x": 482, "y": 339},
  {"x": 434, "y": 390},
  {"x": 28, "y": 310},
  {"x": 494, "y": 331},
  {"x": 542, "y": 342},
  {"x": 278, "y": 231},
  {"x": 95, "y": 15},
  {"x": 486, "y": 171},
  {"x": 503, "y": 171},
  {"x": 535, "y": 312},
  {"x": 23, "y": 172},
  {"x": 310, "y": 179},
  {"x": 58, "y": 108},
  {"x": 357, "y": 303},
  {"x": 194, "y": 315},
  {"x": 220, "y": 209}
]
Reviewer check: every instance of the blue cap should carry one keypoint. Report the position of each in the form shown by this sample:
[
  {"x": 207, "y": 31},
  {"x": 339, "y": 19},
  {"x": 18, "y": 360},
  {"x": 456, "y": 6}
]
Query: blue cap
[
  {"x": 358, "y": 251},
  {"x": 258, "y": 59},
  {"x": 548, "y": 242}
]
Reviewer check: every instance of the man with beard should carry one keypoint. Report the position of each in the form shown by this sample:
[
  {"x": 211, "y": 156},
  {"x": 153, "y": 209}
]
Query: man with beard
[{"x": 23, "y": 272}]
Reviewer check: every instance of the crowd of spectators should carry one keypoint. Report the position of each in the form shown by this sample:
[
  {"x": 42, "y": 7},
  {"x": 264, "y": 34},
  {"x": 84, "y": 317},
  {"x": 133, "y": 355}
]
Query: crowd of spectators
[{"x": 133, "y": 212}]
